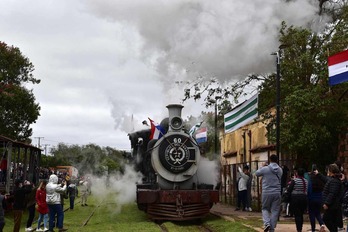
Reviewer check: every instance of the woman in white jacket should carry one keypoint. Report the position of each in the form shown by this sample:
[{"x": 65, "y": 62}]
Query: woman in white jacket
[{"x": 53, "y": 191}]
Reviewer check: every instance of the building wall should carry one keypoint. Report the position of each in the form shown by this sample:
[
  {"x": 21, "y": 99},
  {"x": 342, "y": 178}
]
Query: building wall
[{"x": 232, "y": 144}]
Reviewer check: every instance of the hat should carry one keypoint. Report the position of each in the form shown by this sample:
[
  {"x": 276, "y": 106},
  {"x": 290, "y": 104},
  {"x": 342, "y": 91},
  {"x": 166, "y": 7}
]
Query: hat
[{"x": 246, "y": 167}]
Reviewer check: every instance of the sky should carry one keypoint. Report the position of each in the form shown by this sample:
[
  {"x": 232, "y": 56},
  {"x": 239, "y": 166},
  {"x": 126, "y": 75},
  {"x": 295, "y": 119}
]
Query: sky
[{"x": 107, "y": 65}]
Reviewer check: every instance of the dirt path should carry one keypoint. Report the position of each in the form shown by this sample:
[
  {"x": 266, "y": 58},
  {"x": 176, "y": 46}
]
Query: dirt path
[{"x": 285, "y": 224}]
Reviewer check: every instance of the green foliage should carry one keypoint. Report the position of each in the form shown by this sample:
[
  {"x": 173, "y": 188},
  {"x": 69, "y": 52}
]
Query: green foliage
[
  {"x": 88, "y": 159},
  {"x": 18, "y": 109},
  {"x": 312, "y": 114}
]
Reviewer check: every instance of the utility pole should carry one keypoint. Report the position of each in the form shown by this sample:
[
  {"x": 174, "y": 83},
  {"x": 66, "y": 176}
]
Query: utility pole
[
  {"x": 45, "y": 145},
  {"x": 39, "y": 138}
]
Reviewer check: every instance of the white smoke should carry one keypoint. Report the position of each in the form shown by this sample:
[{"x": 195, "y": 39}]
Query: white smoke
[
  {"x": 225, "y": 39},
  {"x": 181, "y": 40},
  {"x": 208, "y": 171},
  {"x": 123, "y": 186}
]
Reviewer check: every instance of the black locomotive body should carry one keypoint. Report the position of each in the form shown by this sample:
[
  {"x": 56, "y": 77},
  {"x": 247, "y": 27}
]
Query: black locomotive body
[{"x": 171, "y": 189}]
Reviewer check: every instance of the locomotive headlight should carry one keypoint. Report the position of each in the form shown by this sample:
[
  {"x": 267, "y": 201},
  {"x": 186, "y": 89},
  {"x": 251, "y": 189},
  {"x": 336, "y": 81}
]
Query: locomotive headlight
[{"x": 176, "y": 123}]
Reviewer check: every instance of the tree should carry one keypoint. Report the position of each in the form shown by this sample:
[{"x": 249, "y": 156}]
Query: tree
[
  {"x": 312, "y": 113},
  {"x": 88, "y": 159},
  {"x": 18, "y": 109}
]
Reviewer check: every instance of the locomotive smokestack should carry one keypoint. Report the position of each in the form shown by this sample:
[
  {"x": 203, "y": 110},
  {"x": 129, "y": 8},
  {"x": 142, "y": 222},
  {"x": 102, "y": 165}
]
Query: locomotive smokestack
[{"x": 175, "y": 120}]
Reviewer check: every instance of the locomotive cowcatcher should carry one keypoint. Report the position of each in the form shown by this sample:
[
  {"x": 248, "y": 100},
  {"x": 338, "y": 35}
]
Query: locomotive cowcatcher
[{"x": 171, "y": 189}]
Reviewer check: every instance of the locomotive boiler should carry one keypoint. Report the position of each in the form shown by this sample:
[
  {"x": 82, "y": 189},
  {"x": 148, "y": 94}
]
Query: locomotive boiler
[{"x": 171, "y": 188}]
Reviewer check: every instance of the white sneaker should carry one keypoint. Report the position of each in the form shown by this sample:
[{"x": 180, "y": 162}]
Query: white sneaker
[
  {"x": 45, "y": 229},
  {"x": 250, "y": 209},
  {"x": 29, "y": 229},
  {"x": 39, "y": 229}
]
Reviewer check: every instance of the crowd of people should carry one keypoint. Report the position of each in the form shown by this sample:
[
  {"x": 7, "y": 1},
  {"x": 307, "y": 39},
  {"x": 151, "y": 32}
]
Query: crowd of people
[
  {"x": 47, "y": 199},
  {"x": 323, "y": 197}
]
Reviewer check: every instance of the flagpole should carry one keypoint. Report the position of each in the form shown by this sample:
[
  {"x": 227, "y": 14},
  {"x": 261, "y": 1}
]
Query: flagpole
[
  {"x": 282, "y": 46},
  {"x": 216, "y": 145},
  {"x": 278, "y": 106}
]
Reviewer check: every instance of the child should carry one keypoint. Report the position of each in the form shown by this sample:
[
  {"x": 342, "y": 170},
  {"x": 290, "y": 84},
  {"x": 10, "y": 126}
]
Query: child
[{"x": 42, "y": 207}]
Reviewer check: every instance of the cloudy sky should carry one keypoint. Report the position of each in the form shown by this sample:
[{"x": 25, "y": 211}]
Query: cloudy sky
[{"x": 103, "y": 62}]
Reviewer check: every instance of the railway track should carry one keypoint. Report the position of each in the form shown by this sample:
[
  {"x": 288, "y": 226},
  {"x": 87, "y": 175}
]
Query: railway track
[
  {"x": 196, "y": 225},
  {"x": 91, "y": 215}
]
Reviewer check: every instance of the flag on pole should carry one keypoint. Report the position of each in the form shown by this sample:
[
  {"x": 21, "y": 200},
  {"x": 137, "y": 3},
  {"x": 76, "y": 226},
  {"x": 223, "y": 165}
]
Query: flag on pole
[
  {"x": 338, "y": 68},
  {"x": 156, "y": 130},
  {"x": 241, "y": 115},
  {"x": 194, "y": 128},
  {"x": 201, "y": 135}
]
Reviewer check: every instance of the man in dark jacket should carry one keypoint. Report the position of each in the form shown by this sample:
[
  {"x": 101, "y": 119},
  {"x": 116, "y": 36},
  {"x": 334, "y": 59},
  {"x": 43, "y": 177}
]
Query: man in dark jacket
[
  {"x": 331, "y": 199},
  {"x": 72, "y": 192},
  {"x": 19, "y": 204}
]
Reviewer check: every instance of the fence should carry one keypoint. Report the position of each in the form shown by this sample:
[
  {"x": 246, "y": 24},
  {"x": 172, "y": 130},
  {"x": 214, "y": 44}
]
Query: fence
[{"x": 230, "y": 176}]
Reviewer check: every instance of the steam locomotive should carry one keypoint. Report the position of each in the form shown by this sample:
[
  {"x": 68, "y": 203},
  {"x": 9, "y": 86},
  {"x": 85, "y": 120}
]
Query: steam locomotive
[{"x": 171, "y": 189}]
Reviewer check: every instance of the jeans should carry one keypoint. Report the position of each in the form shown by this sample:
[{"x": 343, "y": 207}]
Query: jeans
[
  {"x": 44, "y": 218},
  {"x": 314, "y": 207},
  {"x": 56, "y": 209}
]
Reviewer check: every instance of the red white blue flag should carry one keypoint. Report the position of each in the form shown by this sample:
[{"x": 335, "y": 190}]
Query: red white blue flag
[
  {"x": 156, "y": 130},
  {"x": 201, "y": 135},
  {"x": 338, "y": 68}
]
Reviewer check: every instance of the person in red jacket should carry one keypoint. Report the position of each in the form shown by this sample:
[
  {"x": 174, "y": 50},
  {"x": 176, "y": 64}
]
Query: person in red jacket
[{"x": 42, "y": 207}]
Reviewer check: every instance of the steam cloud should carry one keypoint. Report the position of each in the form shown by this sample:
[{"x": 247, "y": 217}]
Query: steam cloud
[
  {"x": 122, "y": 184},
  {"x": 208, "y": 167},
  {"x": 184, "y": 39},
  {"x": 224, "y": 39}
]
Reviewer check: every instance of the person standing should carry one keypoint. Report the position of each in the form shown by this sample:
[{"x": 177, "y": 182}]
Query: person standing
[
  {"x": 249, "y": 183},
  {"x": 345, "y": 200},
  {"x": 42, "y": 207},
  {"x": 2, "y": 212},
  {"x": 3, "y": 167},
  {"x": 315, "y": 196},
  {"x": 331, "y": 199},
  {"x": 298, "y": 190},
  {"x": 242, "y": 188},
  {"x": 53, "y": 191},
  {"x": 84, "y": 192},
  {"x": 271, "y": 192},
  {"x": 72, "y": 189},
  {"x": 30, "y": 202},
  {"x": 18, "y": 204}
]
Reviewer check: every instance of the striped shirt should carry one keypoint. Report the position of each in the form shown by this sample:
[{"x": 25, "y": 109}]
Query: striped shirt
[{"x": 300, "y": 186}]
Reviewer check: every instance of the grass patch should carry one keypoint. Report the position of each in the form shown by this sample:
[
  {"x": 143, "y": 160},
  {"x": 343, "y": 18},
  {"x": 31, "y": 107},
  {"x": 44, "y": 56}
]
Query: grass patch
[
  {"x": 218, "y": 224},
  {"x": 110, "y": 217}
]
